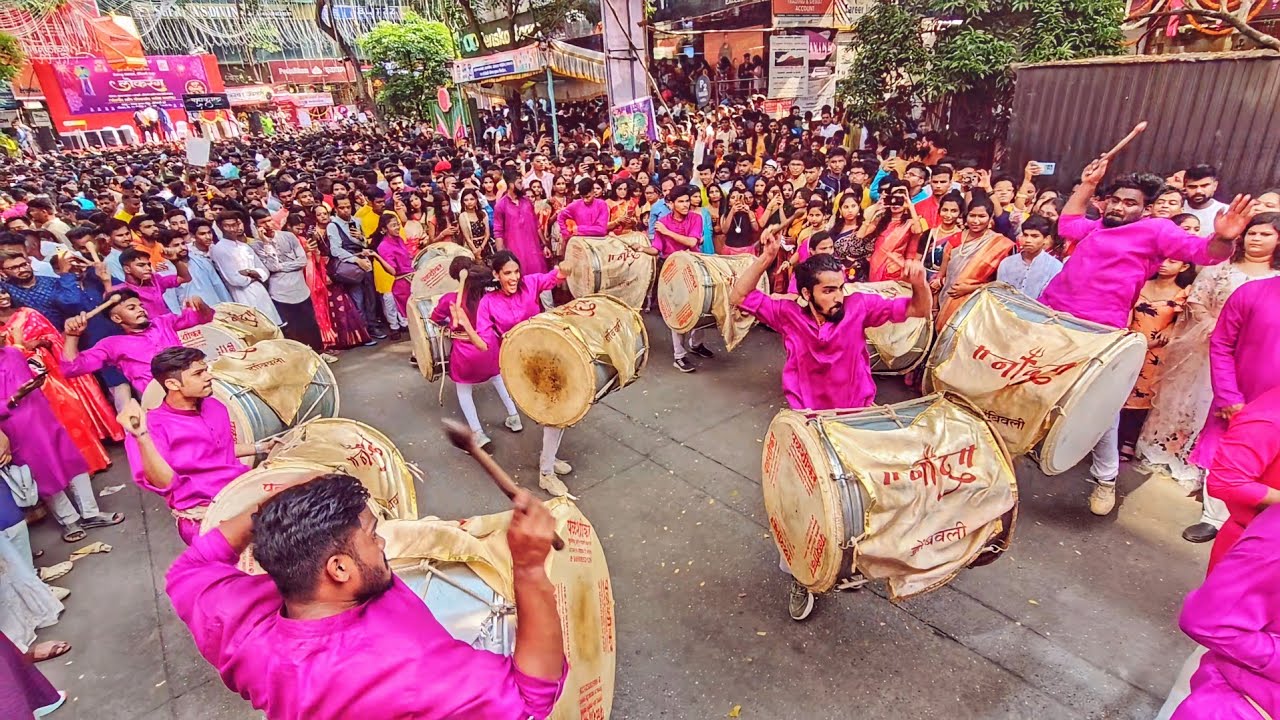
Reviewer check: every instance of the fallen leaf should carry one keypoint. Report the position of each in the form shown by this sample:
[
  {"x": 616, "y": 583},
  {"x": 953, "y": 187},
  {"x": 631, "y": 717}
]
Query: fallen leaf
[
  {"x": 736, "y": 711},
  {"x": 1034, "y": 602},
  {"x": 761, "y": 633},
  {"x": 110, "y": 490}
]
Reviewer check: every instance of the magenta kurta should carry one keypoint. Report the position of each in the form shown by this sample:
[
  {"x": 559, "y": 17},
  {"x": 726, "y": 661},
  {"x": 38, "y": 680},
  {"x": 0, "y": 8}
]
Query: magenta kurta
[
  {"x": 152, "y": 296},
  {"x": 393, "y": 250},
  {"x": 689, "y": 226},
  {"x": 1246, "y": 467},
  {"x": 499, "y": 312},
  {"x": 1102, "y": 279},
  {"x": 516, "y": 225},
  {"x": 1242, "y": 355},
  {"x": 467, "y": 363},
  {"x": 589, "y": 220},
  {"x": 387, "y": 658},
  {"x": 827, "y": 366},
  {"x": 1236, "y": 616},
  {"x": 36, "y": 439},
  {"x": 200, "y": 448},
  {"x": 132, "y": 354}
]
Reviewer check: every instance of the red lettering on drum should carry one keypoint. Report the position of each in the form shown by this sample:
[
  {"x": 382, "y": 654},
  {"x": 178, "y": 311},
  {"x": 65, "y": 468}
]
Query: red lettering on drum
[
  {"x": 626, "y": 256},
  {"x": 605, "y": 594},
  {"x": 267, "y": 363},
  {"x": 780, "y": 537},
  {"x": 578, "y": 541},
  {"x": 1024, "y": 369},
  {"x": 191, "y": 334},
  {"x": 684, "y": 316},
  {"x": 690, "y": 282},
  {"x": 771, "y": 459},
  {"x": 248, "y": 317},
  {"x": 932, "y": 469},
  {"x": 803, "y": 464},
  {"x": 815, "y": 543},
  {"x": 669, "y": 271},
  {"x": 562, "y": 607},
  {"x": 591, "y": 700},
  {"x": 433, "y": 274},
  {"x": 366, "y": 454},
  {"x": 957, "y": 532},
  {"x": 581, "y": 308}
]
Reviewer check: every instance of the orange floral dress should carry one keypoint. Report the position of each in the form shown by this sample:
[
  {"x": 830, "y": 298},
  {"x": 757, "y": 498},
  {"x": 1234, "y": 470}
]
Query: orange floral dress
[{"x": 1151, "y": 317}]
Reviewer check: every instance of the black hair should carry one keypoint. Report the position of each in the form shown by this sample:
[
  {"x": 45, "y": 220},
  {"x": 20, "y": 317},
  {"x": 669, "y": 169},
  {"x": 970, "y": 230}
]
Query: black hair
[
  {"x": 1149, "y": 186},
  {"x": 1267, "y": 218},
  {"x": 1040, "y": 224},
  {"x": 585, "y": 186},
  {"x": 808, "y": 271},
  {"x": 1200, "y": 172},
  {"x": 136, "y": 223},
  {"x": 979, "y": 198},
  {"x": 132, "y": 255},
  {"x": 941, "y": 170},
  {"x": 1183, "y": 217},
  {"x": 480, "y": 279},
  {"x": 299, "y": 529},
  {"x": 170, "y": 363},
  {"x": 500, "y": 260},
  {"x": 816, "y": 239},
  {"x": 680, "y": 191}
]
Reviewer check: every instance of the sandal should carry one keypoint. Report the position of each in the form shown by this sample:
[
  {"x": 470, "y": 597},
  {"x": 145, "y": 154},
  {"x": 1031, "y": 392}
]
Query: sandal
[
  {"x": 49, "y": 650},
  {"x": 73, "y": 533},
  {"x": 101, "y": 521}
]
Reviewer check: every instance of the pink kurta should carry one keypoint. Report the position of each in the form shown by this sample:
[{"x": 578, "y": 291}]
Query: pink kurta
[
  {"x": 827, "y": 366},
  {"x": 132, "y": 354},
  {"x": 589, "y": 220},
  {"x": 467, "y": 363},
  {"x": 35, "y": 437},
  {"x": 689, "y": 226},
  {"x": 1104, "y": 276},
  {"x": 1245, "y": 467},
  {"x": 1242, "y": 355},
  {"x": 387, "y": 658},
  {"x": 516, "y": 224},
  {"x": 200, "y": 448},
  {"x": 393, "y": 250},
  {"x": 152, "y": 296},
  {"x": 499, "y": 312},
  {"x": 1236, "y": 616}
]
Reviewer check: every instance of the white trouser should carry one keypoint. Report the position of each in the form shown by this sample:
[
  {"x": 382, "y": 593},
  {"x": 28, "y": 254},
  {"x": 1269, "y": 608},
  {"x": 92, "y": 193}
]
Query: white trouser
[
  {"x": 81, "y": 491},
  {"x": 395, "y": 321},
  {"x": 1106, "y": 455},
  {"x": 682, "y": 342},
  {"x": 545, "y": 298},
  {"x": 468, "y": 403},
  {"x": 1182, "y": 684},
  {"x": 1215, "y": 511},
  {"x": 551, "y": 438},
  {"x": 21, "y": 539}
]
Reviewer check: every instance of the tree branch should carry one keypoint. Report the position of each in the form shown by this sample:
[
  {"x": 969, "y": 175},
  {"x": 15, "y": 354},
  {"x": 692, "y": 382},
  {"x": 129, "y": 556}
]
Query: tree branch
[{"x": 1239, "y": 25}]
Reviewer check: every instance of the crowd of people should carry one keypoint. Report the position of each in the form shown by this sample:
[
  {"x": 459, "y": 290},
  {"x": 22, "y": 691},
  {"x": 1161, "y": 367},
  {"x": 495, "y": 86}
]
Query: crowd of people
[{"x": 319, "y": 231}]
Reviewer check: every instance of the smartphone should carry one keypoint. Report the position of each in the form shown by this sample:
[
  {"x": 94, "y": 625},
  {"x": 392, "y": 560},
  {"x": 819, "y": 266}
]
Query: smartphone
[
  {"x": 893, "y": 153},
  {"x": 1047, "y": 168}
]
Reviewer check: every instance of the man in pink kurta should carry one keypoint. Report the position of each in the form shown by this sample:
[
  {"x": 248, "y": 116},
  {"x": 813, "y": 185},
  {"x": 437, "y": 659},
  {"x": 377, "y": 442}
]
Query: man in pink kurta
[
  {"x": 143, "y": 280},
  {"x": 590, "y": 214},
  {"x": 680, "y": 230},
  {"x": 329, "y": 633},
  {"x": 515, "y": 227},
  {"x": 143, "y": 337}
]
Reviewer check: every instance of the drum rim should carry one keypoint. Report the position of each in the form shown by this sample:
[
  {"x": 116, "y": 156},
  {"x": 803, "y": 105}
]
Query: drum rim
[
  {"x": 209, "y": 522},
  {"x": 596, "y": 270},
  {"x": 563, "y": 334},
  {"x": 638, "y": 320},
  {"x": 707, "y": 283},
  {"x": 427, "y": 370}
]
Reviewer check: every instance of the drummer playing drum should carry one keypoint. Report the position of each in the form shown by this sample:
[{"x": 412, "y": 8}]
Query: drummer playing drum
[{"x": 824, "y": 334}]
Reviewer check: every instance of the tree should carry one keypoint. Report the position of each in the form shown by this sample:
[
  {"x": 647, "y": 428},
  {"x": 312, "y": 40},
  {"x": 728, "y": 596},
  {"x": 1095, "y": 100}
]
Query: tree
[
  {"x": 547, "y": 16},
  {"x": 952, "y": 59},
  {"x": 11, "y": 57},
  {"x": 410, "y": 59},
  {"x": 324, "y": 21},
  {"x": 1237, "y": 21}
]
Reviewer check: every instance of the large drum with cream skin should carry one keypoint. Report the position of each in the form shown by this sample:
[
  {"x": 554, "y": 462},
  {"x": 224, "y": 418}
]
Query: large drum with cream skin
[
  {"x": 1041, "y": 377},
  {"x": 431, "y": 343},
  {"x": 613, "y": 265},
  {"x": 559, "y": 363},
  {"x": 910, "y": 493},
  {"x": 895, "y": 348},
  {"x": 234, "y": 327},
  {"x": 691, "y": 285},
  {"x": 431, "y": 269}
]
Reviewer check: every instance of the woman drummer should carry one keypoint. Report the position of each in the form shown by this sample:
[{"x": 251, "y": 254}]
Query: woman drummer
[
  {"x": 515, "y": 301},
  {"x": 472, "y": 361}
]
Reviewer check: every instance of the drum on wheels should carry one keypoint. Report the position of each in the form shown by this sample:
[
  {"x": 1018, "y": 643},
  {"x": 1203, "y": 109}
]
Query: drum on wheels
[
  {"x": 431, "y": 269},
  {"x": 912, "y": 493},
  {"x": 431, "y": 343},
  {"x": 557, "y": 364},
  {"x": 234, "y": 327},
  {"x": 611, "y": 265},
  {"x": 895, "y": 348},
  {"x": 1040, "y": 377}
]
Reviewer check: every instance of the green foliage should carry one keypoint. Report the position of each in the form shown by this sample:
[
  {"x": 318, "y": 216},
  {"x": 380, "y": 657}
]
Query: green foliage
[
  {"x": 960, "y": 70},
  {"x": 11, "y": 57},
  {"x": 410, "y": 61}
]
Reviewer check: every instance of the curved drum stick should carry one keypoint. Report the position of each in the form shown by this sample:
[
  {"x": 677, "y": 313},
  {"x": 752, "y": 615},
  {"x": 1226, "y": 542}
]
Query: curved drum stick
[
  {"x": 111, "y": 300},
  {"x": 462, "y": 438},
  {"x": 1135, "y": 132}
]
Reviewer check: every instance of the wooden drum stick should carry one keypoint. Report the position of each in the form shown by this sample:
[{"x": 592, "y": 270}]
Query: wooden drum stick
[
  {"x": 463, "y": 439},
  {"x": 1135, "y": 132},
  {"x": 112, "y": 300}
]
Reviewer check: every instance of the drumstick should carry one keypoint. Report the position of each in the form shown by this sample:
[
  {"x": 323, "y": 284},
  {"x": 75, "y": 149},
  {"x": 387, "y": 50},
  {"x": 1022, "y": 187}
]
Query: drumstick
[
  {"x": 1135, "y": 132},
  {"x": 93, "y": 251},
  {"x": 463, "y": 439},
  {"x": 115, "y": 298}
]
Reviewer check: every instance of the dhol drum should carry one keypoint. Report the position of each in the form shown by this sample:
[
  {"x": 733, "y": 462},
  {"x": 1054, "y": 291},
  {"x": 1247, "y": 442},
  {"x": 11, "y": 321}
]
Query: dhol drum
[
  {"x": 611, "y": 265},
  {"x": 431, "y": 269},
  {"x": 234, "y": 327},
  {"x": 895, "y": 348},
  {"x": 912, "y": 493},
  {"x": 1039, "y": 376},
  {"x": 351, "y": 447},
  {"x": 557, "y": 364},
  {"x": 431, "y": 343},
  {"x": 694, "y": 290},
  {"x": 268, "y": 389},
  {"x": 462, "y": 571}
]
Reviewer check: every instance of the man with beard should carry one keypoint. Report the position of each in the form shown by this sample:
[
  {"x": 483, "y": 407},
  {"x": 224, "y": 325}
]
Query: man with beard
[
  {"x": 184, "y": 449},
  {"x": 1200, "y": 183},
  {"x": 1113, "y": 258},
  {"x": 515, "y": 226},
  {"x": 329, "y": 632},
  {"x": 143, "y": 338},
  {"x": 824, "y": 334}
]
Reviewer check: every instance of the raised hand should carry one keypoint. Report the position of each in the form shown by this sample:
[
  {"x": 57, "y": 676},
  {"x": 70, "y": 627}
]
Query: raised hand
[
  {"x": 76, "y": 325},
  {"x": 531, "y": 531},
  {"x": 1095, "y": 171},
  {"x": 1230, "y": 223}
]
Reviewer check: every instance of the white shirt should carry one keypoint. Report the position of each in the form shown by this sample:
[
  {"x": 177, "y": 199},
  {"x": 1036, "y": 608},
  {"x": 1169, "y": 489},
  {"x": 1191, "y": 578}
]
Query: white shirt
[
  {"x": 1206, "y": 215},
  {"x": 231, "y": 257}
]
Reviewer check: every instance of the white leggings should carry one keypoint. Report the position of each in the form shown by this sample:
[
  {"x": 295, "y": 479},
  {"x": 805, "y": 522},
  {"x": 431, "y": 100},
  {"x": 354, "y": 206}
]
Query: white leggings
[
  {"x": 468, "y": 404},
  {"x": 395, "y": 321},
  {"x": 551, "y": 438},
  {"x": 81, "y": 503}
]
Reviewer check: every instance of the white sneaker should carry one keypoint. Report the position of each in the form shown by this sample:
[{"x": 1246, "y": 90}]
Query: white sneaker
[
  {"x": 1103, "y": 498},
  {"x": 59, "y": 592},
  {"x": 482, "y": 439},
  {"x": 562, "y": 468},
  {"x": 513, "y": 423},
  {"x": 555, "y": 486}
]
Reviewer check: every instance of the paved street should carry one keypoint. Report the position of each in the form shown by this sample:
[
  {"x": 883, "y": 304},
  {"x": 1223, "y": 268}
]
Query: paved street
[{"x": 1078, "y": 621}]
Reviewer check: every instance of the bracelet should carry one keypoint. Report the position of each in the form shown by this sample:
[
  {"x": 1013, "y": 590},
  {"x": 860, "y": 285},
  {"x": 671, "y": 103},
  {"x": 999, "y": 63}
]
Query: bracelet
[{"x": 143, "y": 434}]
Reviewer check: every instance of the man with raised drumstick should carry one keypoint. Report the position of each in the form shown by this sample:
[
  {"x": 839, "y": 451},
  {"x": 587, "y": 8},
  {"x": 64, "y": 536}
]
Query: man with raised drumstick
[
  {"x": 329, "y": 632},
  {"x": 824, "y": 334},
  {"x": 1113, "y": 258}
]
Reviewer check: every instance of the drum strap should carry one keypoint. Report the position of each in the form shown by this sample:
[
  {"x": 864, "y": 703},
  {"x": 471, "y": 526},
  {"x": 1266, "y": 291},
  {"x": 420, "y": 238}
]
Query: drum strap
[
  {"x": 1265, "y": 715},
  {"x": 196, "y": 513}
]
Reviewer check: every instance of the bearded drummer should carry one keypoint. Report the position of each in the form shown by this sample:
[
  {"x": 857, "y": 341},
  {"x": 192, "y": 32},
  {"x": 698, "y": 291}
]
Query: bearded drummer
[
  {"x": 330, "y": 633},
  {"x": 184, "y": 449},
  {"x": 1113, "y": 258},
  {"x": 824, "y": 333}
]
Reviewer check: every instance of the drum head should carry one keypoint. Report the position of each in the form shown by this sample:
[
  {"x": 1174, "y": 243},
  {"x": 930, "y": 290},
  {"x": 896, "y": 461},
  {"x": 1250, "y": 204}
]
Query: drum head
[
  {"x": 431, "y": 269},
  {"x": 1091, "y": 404},
  {"x": 895, "y": 348},
  {"x": 248, "y": 321},
  {"x": 549, "y": 372},
  {"x": 612, "y": 266},
  {"x": 213, "y": 339},
  {"x": 421, "y": 332},
  {"x": 805, "y": 509},
  {"x": 684, "y": 292}
]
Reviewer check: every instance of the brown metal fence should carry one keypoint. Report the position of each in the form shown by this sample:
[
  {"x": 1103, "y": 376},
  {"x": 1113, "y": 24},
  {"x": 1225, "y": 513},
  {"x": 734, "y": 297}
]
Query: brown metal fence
[{"x": 1215, "y": 108}]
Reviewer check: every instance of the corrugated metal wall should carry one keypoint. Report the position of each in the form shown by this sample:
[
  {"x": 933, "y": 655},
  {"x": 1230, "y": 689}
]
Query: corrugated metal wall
[{"x": 1217, "y": 108}]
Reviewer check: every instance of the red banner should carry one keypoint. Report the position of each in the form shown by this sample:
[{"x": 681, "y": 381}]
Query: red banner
[{"x": 310, "y": 71}]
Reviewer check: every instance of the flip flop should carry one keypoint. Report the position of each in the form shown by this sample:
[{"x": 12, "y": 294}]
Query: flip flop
[
  {"x": 73, "y": 534},
  {"x": 41, "y": 712},
  {"x": 55, "y": 648},
  {"x": 101, "y": 521}
]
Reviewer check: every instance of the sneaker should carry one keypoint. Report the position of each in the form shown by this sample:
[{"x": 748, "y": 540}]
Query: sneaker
[
  {"x": 59, "y": 593},
  {"x": 371, "y": 342},
  {"x": 513, "y": 423},
  {"x": 1200, "y": 533},
  {"x": 702, "y": 351},
  {"x": 1103, "y": 498},
  {"x": 562, "y": 468},
  {"x": 684, "y": 366},
  {"x": 799, "y": 602},
  {"x": 482, "y": 439},
  {"x": 377, "y": 335},
  {"x": 555, "y": 486},
  {"x": 329, "y": 358},
  {"x": 413, "y": 361}
]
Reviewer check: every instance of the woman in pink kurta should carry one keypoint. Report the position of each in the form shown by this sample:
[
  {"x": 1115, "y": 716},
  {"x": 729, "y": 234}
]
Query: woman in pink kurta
[{"x": 396, "y": 256}]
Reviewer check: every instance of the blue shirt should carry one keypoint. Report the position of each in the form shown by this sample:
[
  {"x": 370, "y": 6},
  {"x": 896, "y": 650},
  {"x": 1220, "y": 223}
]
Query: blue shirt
[
  {"x": 874, "y": 190},
  {"x": 659, "y": 210},
  {"x": 205, "y": 280},
  {"x": 56, "y": 298}
]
